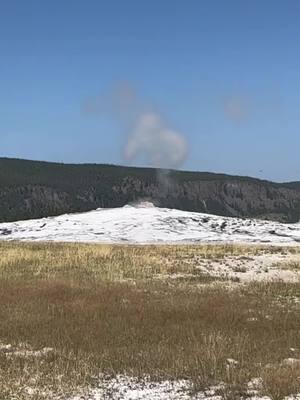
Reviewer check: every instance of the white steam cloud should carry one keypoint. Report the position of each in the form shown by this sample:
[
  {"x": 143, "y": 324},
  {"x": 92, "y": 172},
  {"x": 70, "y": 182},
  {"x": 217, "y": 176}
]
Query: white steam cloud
[
  {"x": 152, "y": 141},
  {"x": 149, "y": 139}
]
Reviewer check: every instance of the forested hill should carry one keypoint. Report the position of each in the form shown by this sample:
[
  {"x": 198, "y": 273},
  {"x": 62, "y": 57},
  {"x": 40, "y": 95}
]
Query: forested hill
[{"x": 33, "y": 189}]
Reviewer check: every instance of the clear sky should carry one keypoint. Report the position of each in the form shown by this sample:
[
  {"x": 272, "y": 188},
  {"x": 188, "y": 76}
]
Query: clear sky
[{"x": 225, "y": 73}]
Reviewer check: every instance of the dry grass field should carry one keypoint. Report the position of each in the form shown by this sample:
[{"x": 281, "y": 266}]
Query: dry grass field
[{"x": 70, "y": 313}]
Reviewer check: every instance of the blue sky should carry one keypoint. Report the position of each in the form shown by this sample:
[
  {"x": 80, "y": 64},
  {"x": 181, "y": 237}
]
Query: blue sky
[{"x": 224, "y": 73}]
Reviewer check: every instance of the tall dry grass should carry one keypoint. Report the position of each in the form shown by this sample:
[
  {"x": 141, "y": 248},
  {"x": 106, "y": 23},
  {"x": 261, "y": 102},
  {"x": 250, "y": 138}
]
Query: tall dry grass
[{"x": 102, "y": 309}]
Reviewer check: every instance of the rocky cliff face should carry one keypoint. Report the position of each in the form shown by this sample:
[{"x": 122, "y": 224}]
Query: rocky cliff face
[
  {"x": 240, "y": 199},
  {"x": 31, "y": 189},
  {"x": 233, "y": 198}
]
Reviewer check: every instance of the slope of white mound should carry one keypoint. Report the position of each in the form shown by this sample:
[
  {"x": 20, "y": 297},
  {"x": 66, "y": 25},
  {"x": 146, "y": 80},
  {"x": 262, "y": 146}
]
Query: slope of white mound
[{"x": 145, "y": 223}]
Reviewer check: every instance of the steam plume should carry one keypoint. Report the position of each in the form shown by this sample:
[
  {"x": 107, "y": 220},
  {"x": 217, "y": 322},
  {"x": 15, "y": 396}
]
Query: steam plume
[
  {"x": 148, "y": 137},
  {"x": 158, "y": 145}
]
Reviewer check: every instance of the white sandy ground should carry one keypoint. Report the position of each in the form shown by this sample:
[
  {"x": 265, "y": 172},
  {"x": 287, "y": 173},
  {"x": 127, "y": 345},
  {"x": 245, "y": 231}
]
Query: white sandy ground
[
  {"x": 148, "y": 224},
  {"x": 259, "y": 267},
  {"x": 129, "y": 388},
  {"x": 123, "y": 387}
]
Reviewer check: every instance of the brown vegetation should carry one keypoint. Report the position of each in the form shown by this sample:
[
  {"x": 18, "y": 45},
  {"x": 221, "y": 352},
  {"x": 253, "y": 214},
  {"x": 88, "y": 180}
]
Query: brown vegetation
[{"x": 103, "y": 310}]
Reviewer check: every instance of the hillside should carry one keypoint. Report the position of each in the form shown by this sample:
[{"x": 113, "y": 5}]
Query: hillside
[
  {"x": 145, "y": 223},
  {"x": 33, "y": 189}
]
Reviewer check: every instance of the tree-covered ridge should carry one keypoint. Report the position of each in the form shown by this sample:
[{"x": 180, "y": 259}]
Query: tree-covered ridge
[{"x": 32, "y": 189}]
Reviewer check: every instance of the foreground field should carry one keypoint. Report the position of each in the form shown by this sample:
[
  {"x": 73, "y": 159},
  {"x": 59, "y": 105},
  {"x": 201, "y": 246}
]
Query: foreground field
[{"x": 155, "y": 322}]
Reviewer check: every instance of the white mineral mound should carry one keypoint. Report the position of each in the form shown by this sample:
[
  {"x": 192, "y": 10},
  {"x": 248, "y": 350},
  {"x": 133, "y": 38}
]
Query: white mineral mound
[{"x": 145, "y": 223}]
